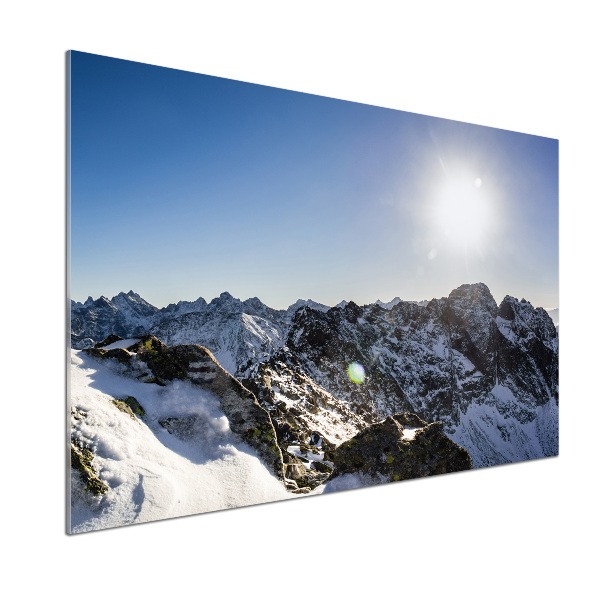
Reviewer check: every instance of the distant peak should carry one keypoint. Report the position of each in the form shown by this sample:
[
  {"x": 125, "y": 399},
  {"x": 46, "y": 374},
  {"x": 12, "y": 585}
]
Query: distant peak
[
  {"x": 389, "y": 304},
  {"x": 472, "y": 289},
  {"x": 307, "y": 303},
  {"x": 129, "y": 294},
  {"x": 224, "y": 297}
]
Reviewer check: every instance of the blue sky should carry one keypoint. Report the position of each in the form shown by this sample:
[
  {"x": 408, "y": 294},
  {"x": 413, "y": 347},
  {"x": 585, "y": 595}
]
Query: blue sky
[{"x": 184, "y": 185}]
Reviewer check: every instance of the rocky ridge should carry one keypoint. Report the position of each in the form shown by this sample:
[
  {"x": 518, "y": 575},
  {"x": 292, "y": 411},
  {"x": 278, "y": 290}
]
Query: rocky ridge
[
  {"x": 398, "y": 448},
  {"x": 295, "y": 451},
  {"x": 488, "y": 373}
]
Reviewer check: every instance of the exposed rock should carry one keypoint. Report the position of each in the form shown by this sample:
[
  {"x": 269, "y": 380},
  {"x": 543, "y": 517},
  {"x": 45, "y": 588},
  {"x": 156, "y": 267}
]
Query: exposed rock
[
  {"x": 81, "y": 460},
  {"x": 119, "y": 354},
  {"x": 130, "y": 406},
  {"x": 196, "y": 364},
  {"x": 182, "y": 427},
  {"x": 147, "y": 342},
  {"x": 440, "y": 360},
  {"x": 527, "y": 352},
  {"x": 299, "y": 407},
  {"x": 387, "y": 450}
]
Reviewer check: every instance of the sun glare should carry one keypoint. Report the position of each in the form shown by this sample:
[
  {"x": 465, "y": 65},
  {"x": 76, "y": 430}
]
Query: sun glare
[{"x": 462, "y": 210}]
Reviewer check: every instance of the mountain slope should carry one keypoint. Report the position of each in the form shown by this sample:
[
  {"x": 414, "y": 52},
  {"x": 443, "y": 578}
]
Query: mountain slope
[
  {"x": 192, "y": 439},
  {"x": 237, "y": 332},
  {"x": 151, "y": 473},
  {"x": 489, "y": 373}
]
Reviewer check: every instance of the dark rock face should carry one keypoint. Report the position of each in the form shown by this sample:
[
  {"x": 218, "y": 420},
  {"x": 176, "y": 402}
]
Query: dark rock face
[
  {"x": 440, "y": 361},
  {"x": 109, "y": 340},
  {"x": 389, "y": 451},
  {"x": 470, "y": 314},
  {"x": 527, "y": 351},
  {"x": 325, "y": 344},
  {"x": 432, "y": 360}
]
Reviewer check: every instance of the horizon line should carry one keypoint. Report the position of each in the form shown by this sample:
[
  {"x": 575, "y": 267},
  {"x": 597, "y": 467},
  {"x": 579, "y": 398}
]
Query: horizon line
[{"x": 131, "y": 291}]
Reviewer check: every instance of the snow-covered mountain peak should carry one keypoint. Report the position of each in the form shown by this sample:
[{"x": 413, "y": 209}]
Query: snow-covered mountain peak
[
  {"x": 474, "y": 292},
  {"x": 523, "y": 316},
  {"x": 254, "y": 304},
  {"x": 390, "y": 304},
  {"x": 292, "y": 308}
]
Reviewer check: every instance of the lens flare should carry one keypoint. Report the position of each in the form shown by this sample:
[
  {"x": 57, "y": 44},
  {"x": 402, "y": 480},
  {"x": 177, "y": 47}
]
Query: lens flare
[{"x": 356, "y": 372}]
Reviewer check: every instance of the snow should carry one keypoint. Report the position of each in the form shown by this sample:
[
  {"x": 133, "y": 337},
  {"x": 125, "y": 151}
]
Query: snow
[
  {"x": 493, "y": 436},
  {"x": 310, "y": 303},
  {"x": 505, "y": 328},
  {"x": 122, "y": 344},
  {"x": 295, "y": 450},
  {"x": 439, "y": 348},
  {"x": 153, "y": 474},
  {"x": 388, "y": 305},
  {"x": 461, "y": 359},
  {"x": 410, "y": 432},
  {"x": 349, "y": 481}
]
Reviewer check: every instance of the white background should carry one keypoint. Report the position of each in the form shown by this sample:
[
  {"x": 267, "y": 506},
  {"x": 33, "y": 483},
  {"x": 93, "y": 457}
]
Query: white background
[{"x": 521, "y": 531}]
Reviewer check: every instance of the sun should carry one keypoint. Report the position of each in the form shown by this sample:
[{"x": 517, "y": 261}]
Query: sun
[{"x": 462, "y": 210}]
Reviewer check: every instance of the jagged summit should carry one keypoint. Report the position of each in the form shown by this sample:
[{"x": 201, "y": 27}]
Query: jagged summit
[
  {"x": 478, "y": 292},
  {"x": 310, "y": 303},
  {"x": 390, "y": 304}
]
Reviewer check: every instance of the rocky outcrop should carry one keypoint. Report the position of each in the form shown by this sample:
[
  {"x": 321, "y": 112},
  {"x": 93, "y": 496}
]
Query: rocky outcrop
[
  {"x": 196, "y": 364},
  {"x": 300, "y": 408},
  {"x": 401, "y": 447},
  {"x": 81, "y": 461},
  {"x": 130, "y": 406}
]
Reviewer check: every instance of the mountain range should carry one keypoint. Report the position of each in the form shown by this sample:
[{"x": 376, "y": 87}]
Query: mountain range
[{"x": 487, "y": 372}]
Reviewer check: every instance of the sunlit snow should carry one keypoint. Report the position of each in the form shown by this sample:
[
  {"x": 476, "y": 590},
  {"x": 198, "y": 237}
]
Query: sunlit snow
[{"x": 153, "y": 474}]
